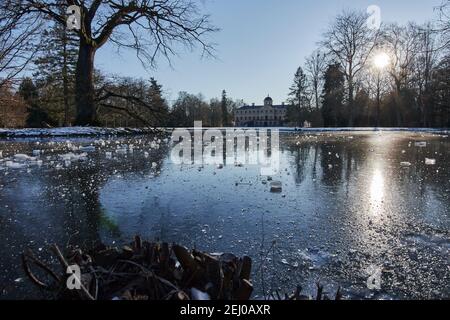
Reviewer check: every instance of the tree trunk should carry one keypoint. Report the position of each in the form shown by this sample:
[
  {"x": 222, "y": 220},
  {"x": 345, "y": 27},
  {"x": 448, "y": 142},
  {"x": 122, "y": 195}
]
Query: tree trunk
[
  {"x": 65, "y": 81},
  {"x": 378, "y": 99},
  {"x": 350, "y": 101},
  {"x": 84, "y": 86}
]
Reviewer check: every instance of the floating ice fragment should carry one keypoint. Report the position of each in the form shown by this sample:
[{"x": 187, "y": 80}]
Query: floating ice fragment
[
  {"x": 23, "y": 157},
  {"x": 37, "y": 163},
  {"x": 405, "y": 164},
  {"x": 421, "y": 144},
  {"x": 87, "y": 148},
  {"x": 430, "y": 162},
  {"x": 36, "y": 153},
  {"x": 73, "y": 157},
  {"x": 15, "y": 165},
  {"x": 276, "y": 186},
  {"x": 122, "y": 149},
  {"x": 108, "y": 155},
  {"x": 154, "y": 165},
  {"x": 199, "y": 295}
]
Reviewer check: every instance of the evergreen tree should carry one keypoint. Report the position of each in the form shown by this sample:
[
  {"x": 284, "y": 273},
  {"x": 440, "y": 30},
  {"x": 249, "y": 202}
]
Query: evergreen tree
[
  {"x": 224, "y": 106},
  {"x": 56, "y": 65},
  {"x": 333, "y": 96},
  {"x": 158, "y": 102},
  {"x": 299, "y": 98},
  {"x": 37, "y": 117}
]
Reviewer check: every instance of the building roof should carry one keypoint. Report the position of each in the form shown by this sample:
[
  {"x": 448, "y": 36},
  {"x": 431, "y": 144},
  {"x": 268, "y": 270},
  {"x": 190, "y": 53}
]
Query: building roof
[
  {"x": 259, "y": 107},
  {"x": 268, "y": 99}
]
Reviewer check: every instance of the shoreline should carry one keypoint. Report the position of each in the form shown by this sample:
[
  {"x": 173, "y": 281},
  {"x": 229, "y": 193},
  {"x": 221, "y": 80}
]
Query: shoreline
[{"x": 99, "y": 131}]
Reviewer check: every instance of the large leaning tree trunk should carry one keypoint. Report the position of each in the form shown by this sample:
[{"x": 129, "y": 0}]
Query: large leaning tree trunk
[{"x": 152, "y": 28}]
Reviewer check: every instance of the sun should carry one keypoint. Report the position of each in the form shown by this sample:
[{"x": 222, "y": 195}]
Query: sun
[{"x": 381, "y": 60}]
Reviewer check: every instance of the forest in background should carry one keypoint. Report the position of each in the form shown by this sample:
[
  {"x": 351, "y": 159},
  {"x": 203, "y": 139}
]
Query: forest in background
[{"x": 43, "y": 71}]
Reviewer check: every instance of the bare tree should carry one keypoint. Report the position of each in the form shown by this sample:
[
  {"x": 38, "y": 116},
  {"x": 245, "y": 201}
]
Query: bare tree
[
  {"x": 134, "y": 98},
  {"x": 350, "y": 42},
  {"x": 444, "y": 23},
  {"x": 425, "y": 64},
  {"x": 18, "y": 37},
  {"x": 403, "y": 45},
  {"x": 315, "y": 68},
  {"x": 151, "y": 28}
]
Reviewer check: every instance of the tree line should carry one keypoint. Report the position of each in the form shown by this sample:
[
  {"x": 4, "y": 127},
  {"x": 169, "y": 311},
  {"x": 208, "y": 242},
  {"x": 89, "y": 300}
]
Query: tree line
[
  {"x": 120, "y": 102},
  {"x": 153, "y": 29},
  {"x": 340, "y": 83},
  {"x": 392, "y": 76}
]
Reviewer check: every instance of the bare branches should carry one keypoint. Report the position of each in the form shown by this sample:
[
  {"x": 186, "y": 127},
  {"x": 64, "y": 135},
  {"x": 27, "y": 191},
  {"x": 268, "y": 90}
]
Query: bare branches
[
  {"x": 18, "y": 36},
  {"x": 444, "y": 23},
  {"x": 154, "y": 28},
  {"x": 133, "y": 98},
  {"x": 350, "y": 41}
]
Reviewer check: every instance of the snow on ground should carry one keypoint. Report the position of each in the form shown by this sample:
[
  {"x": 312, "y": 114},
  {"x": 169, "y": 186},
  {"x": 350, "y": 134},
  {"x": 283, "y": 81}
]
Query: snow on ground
[
  {"x": 71, "y": 131},
  {"x": 63, "y": 153}
]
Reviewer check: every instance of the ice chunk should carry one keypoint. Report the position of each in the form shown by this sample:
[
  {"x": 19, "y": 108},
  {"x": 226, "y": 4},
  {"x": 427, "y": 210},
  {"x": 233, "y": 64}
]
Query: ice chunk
[
  {"x": 420, "y": 144},
  {"x": 87, "y": 149},
  {"x": 36, "y": 163},
  {"x": 199, "y": 295},
  {"x": 73, "y": 157},
  {"x": 15, "y": 165},
  {"x": 36, "y": 153},
  {"x": 23, "y": 157},
  {"x": 430, "y": 162},
  {"x": 405, "y": 164},
  {"x": 1, "y": 154},
  {"x": 276, "y": 186},
  {"x": 122, "y": 149},
  {"x": 108, "y": 155}
]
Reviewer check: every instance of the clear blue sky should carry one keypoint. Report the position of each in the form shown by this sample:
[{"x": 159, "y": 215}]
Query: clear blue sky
[{"x": 259, "y": 47}]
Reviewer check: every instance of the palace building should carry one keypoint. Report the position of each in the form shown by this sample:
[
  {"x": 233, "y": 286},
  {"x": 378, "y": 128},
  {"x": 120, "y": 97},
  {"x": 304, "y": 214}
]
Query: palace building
[{"x": 267, "y": 115}]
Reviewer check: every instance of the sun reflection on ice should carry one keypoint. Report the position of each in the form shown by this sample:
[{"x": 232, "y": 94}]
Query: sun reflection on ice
[{"x": 377, "y": 192}]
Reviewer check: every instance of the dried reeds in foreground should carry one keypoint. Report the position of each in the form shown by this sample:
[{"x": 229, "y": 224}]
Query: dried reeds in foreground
[{"x": 148, "y": 271}]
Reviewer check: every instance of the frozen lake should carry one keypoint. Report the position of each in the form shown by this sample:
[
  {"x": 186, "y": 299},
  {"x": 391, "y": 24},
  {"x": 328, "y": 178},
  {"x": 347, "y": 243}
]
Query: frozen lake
[{"x": 350, "y": 202}]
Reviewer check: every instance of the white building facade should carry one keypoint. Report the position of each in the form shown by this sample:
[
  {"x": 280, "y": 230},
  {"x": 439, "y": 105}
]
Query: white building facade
[{"x": 267, "y": 115}]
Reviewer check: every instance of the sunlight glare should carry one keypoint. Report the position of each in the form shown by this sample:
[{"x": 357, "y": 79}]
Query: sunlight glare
[
  {"x": 377, "y": 190},
  {"x": 381, "y": 60}
]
